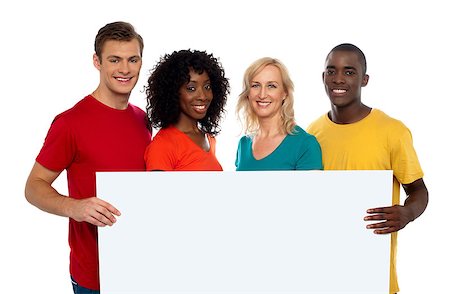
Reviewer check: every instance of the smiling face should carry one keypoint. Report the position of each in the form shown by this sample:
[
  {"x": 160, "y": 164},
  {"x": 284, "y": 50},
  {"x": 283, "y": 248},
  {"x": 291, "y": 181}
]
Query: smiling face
[
  {"x": 119, "y": 67},
  {"x": 195, "y": 97},
  {"x": 267, "y": 93},
  {"x": 343, "y": 78}
]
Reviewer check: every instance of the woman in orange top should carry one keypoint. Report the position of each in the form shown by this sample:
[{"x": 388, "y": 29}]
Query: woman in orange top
[{"x": 186, "y": 96}]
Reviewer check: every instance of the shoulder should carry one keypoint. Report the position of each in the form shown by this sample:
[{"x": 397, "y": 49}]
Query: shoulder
[
  {"x": 164, "y": 142},
  {"x": 391, "y": 124},
  {"x": 137, "y": 110},
  {"x": 75, "y": 113},
  {"x": 317, "y": 124},
  {"x": 301, "y": 135},
  {"x": 301, "y": 142},
  {"x": 245, "y": 140},
  {"x": 211, "y": 138},
  {"x": 168, "y": 134}
]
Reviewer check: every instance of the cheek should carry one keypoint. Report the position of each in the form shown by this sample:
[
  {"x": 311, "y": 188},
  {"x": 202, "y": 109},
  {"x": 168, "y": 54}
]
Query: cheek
[
  {"x": 183, "y": 103},
  {"x": 280, "y": 94},
  {"x": 210, "y": 95},
  {"x": 252, "y": 95},
  {"x": 185, "y": 97}
]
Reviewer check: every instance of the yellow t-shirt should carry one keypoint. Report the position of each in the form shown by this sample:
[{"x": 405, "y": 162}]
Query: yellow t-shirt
[{"x": 377, "y": 142}]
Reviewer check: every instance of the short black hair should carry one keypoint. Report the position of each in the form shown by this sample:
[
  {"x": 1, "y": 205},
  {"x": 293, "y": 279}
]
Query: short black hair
[
  {"x": 170, "y": 74},
  {"x": 352, "y": 48}
]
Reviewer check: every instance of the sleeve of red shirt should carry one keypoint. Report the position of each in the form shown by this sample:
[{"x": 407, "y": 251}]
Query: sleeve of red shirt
[{"x": 59, "y": 147}]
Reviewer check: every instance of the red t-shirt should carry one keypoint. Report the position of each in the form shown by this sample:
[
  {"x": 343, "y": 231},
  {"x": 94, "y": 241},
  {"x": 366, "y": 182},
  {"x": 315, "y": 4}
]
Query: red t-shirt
[
  {"x": 173, "y": 150},
  {"x": 87, "y": 138}
]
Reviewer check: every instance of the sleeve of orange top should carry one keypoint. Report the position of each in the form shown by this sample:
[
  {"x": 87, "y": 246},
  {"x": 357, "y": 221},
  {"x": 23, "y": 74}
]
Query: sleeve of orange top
[{"x": 161, "y": 155}]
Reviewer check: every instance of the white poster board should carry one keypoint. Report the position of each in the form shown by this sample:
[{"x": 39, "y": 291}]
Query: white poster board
[{"x": 244, "y": 232}]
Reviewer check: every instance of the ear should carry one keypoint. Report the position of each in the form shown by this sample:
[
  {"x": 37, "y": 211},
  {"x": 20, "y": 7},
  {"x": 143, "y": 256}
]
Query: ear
[
  {"x": 97, "y": 62},
  {"x": 365, "y": 80},
  {"x": 323, "y": 76}
]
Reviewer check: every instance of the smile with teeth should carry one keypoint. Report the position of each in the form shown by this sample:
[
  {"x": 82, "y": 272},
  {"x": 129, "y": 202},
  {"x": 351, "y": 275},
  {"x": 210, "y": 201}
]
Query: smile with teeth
[
  {"x": 263, "y": 103},
  {"x": 339, "y": 91},
  {"x": 123, "y": 79},
  {"x": 199, "y": 107}
]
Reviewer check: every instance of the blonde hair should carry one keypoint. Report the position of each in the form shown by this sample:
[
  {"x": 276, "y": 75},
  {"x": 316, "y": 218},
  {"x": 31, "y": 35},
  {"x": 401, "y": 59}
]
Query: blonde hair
[{"x": 245, "y": 113}]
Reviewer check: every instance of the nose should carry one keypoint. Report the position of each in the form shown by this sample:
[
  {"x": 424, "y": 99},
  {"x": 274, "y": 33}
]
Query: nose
[
  {"x": 203, "y": 94},
  {"x": 124, "y": 67},
  {"x": 262, "y": 93},
  {"x": 339, "y": 78}
]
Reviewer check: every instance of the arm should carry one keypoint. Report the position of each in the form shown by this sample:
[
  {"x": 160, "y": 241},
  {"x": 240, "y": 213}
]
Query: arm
[
  {"x": 40, "y": 193},
  {"x": 394, "y": 218}
]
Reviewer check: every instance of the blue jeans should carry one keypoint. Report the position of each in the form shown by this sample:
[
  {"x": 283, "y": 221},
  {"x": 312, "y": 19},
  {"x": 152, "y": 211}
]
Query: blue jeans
[{"x": 77, "y": 289}]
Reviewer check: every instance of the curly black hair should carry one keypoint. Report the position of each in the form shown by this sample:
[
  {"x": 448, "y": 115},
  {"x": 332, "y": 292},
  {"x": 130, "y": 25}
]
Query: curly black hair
[{"x": 170, "y": 74}]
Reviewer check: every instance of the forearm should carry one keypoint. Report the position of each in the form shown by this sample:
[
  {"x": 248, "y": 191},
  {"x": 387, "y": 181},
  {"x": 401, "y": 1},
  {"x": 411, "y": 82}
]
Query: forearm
[
  {"x": 417, "y": 198},
  {"x": 41, "y": 194}
]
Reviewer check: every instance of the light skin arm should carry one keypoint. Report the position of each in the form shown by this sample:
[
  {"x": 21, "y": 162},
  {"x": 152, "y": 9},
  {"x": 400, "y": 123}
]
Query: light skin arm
[
  {"x": 40, "y": 193},
  {"x": 394, "y": 218}
]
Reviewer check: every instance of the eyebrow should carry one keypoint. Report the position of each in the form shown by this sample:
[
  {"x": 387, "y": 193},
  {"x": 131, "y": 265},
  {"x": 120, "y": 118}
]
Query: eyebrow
[
  {"x": 120, "y": 57},
  {"x": 275, "y": 82},
  {"x": 196, "y": 81},
  {"x": 345, "y": 67}
]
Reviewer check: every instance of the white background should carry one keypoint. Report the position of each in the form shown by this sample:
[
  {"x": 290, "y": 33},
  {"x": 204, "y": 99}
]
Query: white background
[{"x": 46, "y": 52}]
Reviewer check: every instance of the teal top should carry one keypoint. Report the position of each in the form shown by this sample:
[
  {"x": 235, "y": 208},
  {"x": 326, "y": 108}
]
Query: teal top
[{"x": 299, "y": 151}]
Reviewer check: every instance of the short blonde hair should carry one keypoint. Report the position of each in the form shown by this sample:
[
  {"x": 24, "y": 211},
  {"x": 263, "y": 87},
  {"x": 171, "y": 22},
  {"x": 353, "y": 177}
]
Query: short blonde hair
[{"x": 244, "y": 111}]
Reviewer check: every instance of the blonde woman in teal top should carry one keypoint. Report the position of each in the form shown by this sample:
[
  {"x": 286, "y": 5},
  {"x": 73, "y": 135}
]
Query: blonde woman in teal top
[{"x": 272, "y": 141}]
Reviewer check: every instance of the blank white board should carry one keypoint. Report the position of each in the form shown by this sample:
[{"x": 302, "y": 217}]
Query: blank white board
[{"x": 244, "y": 232}]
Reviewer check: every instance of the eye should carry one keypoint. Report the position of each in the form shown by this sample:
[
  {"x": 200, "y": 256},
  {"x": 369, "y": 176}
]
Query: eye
[
  {"x": 329, "y": 72},
  {"x": 134, "y": 60},
  {"x": 349, "y": 72},
  {"x": 255, "y": 85},
  {"x": 208, "y": 87},
  {"x": 190, "y": 88},
  {"x": 272, "y": 86},
  {"x": 113, "y": 60}
]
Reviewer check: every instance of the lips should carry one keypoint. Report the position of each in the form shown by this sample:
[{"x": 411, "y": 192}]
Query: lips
[
  {"x": 200, "y": 108},
  {"x": 338, "y": 93},
  {"x": 122, "y": 80},
  {"x": 263, "y": 103}
]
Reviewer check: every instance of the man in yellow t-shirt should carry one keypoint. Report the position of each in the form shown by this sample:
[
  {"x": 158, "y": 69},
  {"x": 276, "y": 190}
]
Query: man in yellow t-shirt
[{"x": 354, "y": 136}]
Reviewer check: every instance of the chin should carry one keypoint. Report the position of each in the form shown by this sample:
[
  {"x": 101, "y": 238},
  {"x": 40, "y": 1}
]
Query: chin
[{"x": 339, "y": 102}]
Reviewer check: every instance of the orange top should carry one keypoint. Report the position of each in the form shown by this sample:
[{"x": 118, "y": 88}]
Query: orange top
[{"x": 173, "y": 150}]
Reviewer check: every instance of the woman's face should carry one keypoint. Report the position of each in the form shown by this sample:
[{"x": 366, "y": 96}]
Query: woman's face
[
  {"x": 195, "y": 96},
  {"x": 267, "y": 92}
]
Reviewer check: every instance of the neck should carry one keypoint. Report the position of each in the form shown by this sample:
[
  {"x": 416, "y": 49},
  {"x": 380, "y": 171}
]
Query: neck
[
  {"x": 270, "y": 127},
  {"x": 116, "y": 101},
  {"x": 348, "y": 115},
  {"x": 187, "y": 125}
]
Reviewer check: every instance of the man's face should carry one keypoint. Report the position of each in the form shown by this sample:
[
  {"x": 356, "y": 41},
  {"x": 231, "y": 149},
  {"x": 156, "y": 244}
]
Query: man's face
[
  {"x": 343, "y": 78},
  {"x": 119, "y": 66}
]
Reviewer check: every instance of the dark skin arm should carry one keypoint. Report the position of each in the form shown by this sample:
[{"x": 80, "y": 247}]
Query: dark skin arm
[{"x": 394, "y": 218}]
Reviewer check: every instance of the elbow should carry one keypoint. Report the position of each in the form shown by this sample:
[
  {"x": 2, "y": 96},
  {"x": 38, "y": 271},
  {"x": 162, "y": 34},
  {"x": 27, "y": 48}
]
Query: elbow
[{"x": 27, "y": 192}]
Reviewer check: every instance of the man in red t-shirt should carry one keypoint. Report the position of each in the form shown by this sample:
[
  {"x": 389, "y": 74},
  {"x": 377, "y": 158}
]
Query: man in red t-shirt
[{"x": 102, "y": 132}]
